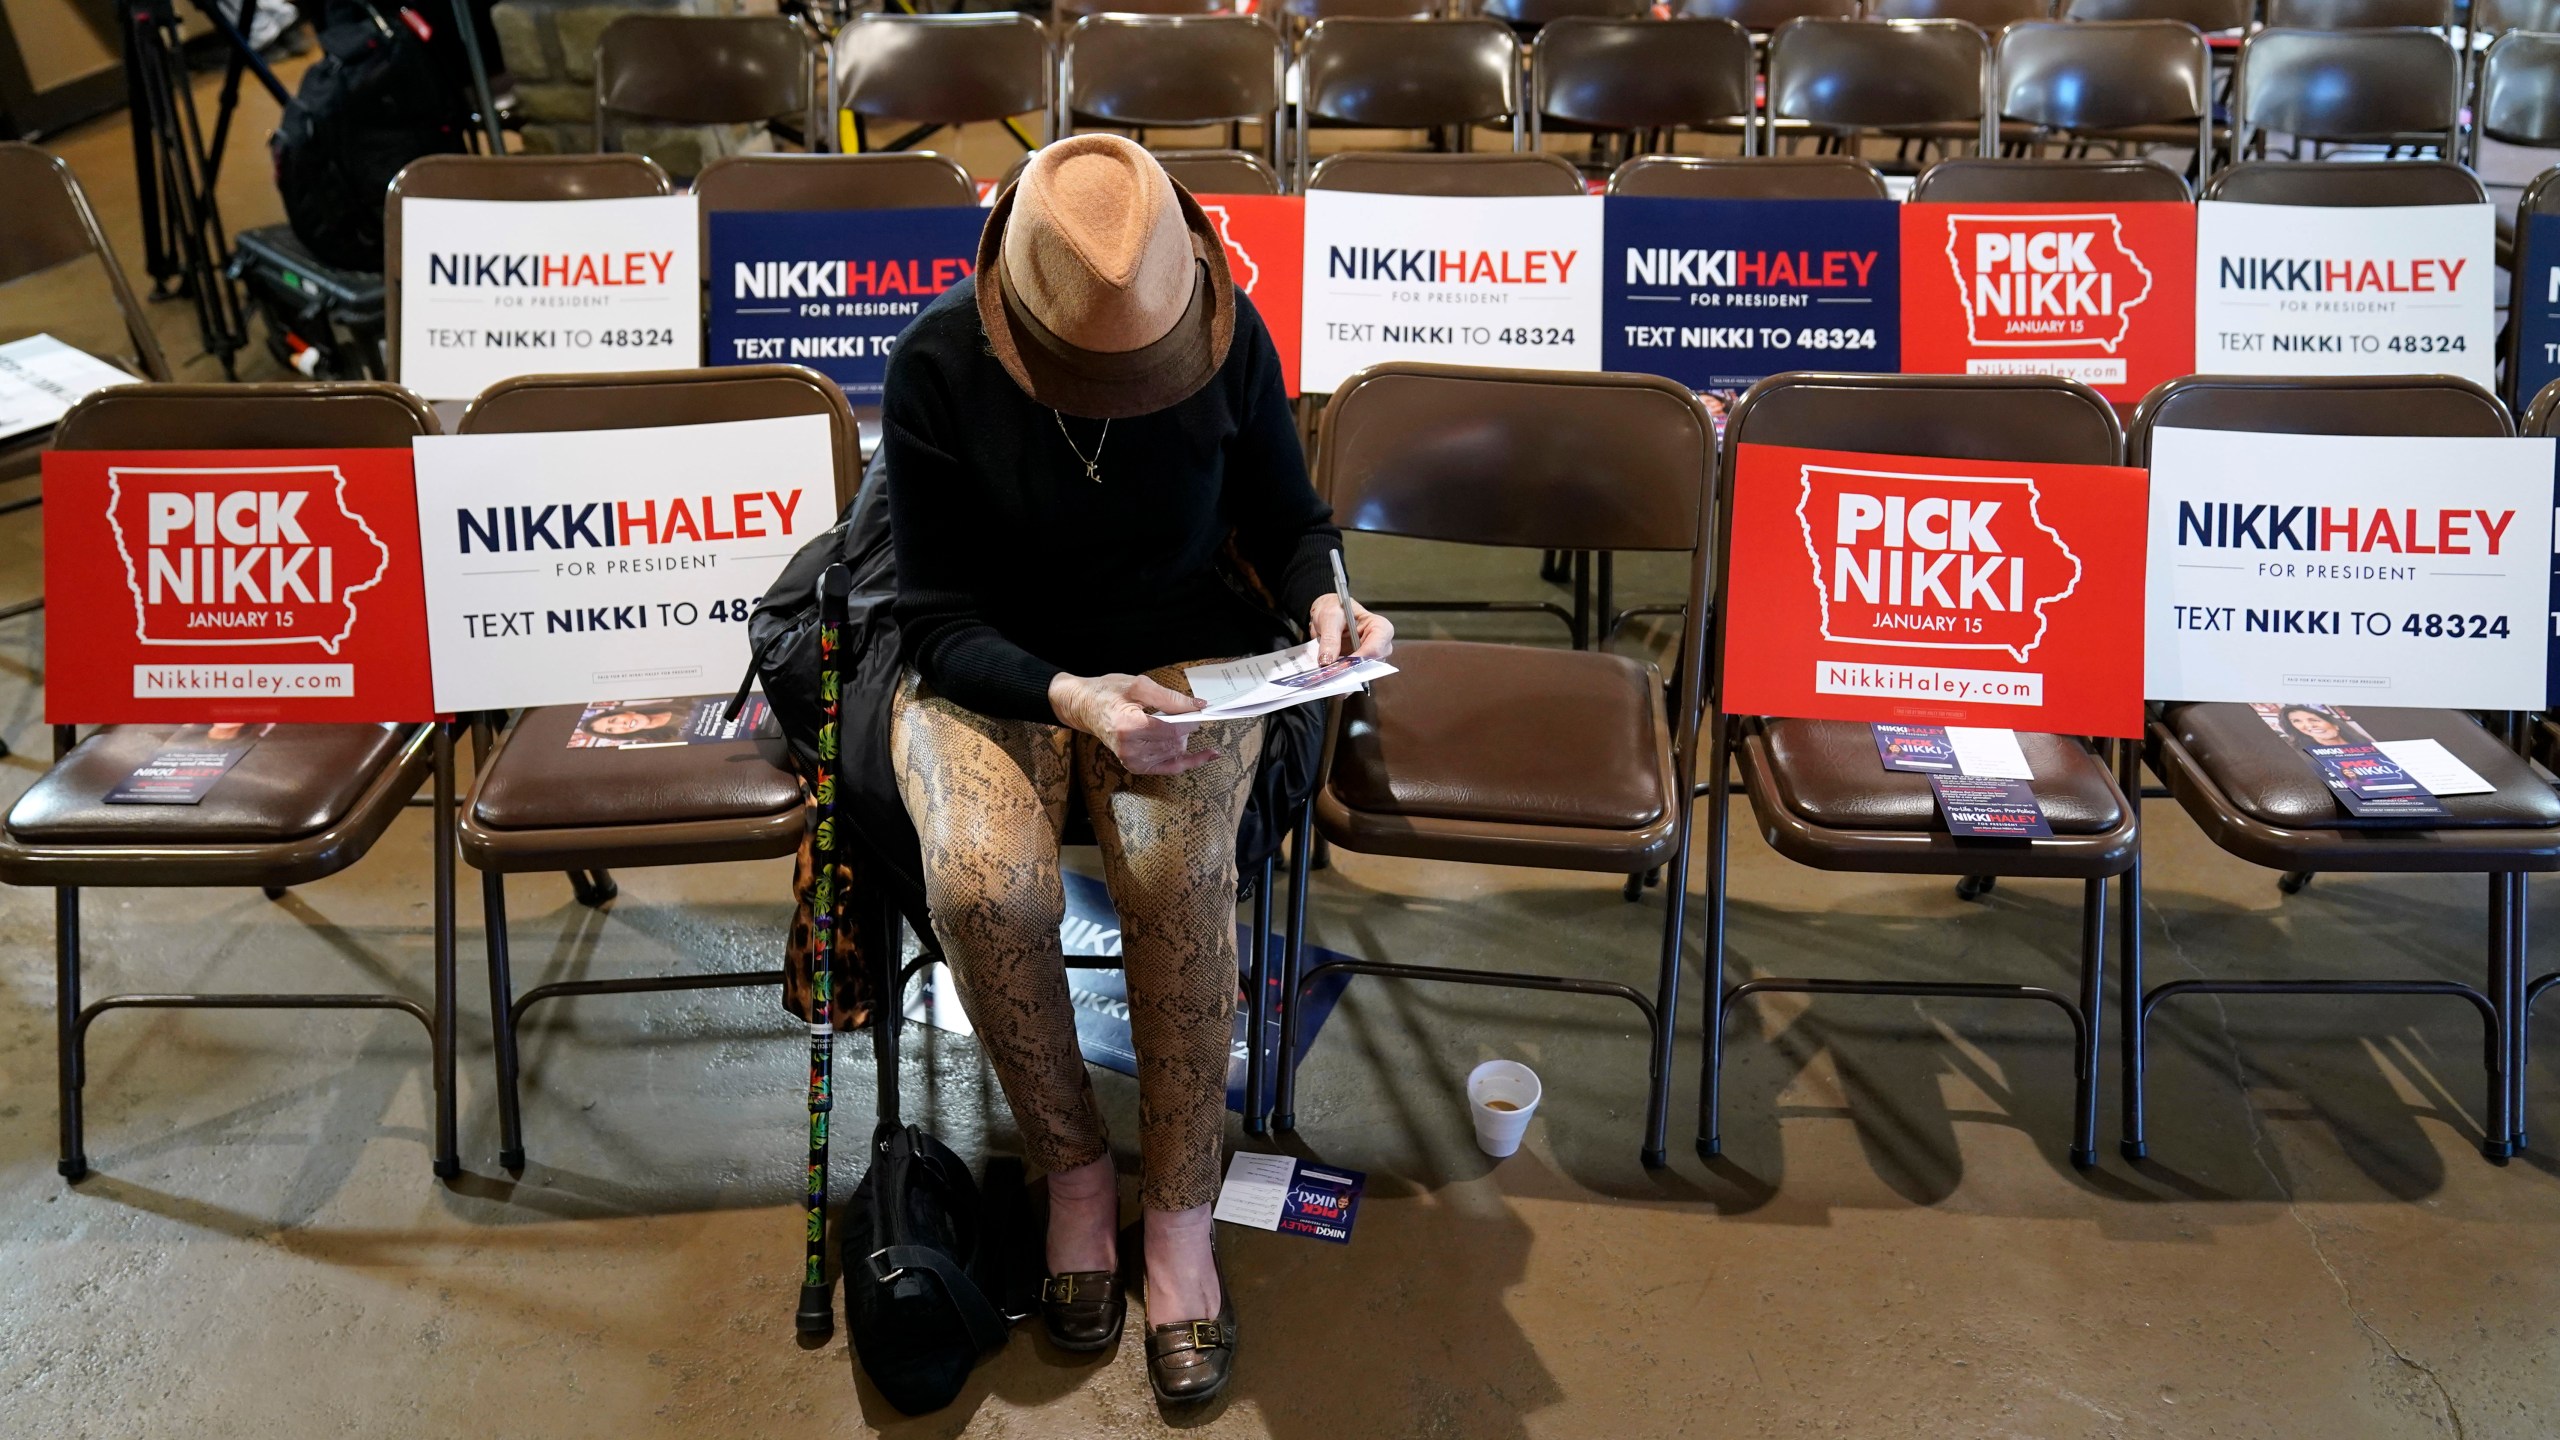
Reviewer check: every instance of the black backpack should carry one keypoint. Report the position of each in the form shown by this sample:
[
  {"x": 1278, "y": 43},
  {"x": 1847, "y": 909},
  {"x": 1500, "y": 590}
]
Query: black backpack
[{"x": 375, "y": 100}]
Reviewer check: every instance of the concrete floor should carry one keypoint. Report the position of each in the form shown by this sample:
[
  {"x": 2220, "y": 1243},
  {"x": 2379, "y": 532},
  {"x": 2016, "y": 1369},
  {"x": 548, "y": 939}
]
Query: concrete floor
[{"x": 1893, "y": 1244}]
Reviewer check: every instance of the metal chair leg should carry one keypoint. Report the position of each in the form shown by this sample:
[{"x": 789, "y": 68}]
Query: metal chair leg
[
  {"x": 1719, "y": 824},
  {"x": 70, "y": 1072},
  {"x": 448, "y": 1158},
  {"x": 502, "y": 1017},
  {"x": 2093, "y": 978},
  {"x": 1666, "y": 1010},
  {"x": 2499, "y": 1141},
  {"x": 2129, "y": 924},
  {"x": 1257, "y": 1009},
  {"x": 2518, "y": 1005},
  {"x": 1284, "y": 1104},
  {"x": 593, "y": 888}
]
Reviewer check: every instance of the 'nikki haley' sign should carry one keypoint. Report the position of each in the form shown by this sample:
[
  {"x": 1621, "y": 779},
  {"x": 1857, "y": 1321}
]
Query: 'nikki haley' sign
[
  {"x": 2308, "y": 567},
  {"x": 564, "y": 567},
  {"x": 2099, "y": 294},
  {"x": 2536, "y": 302},
  {"x": 1896, "y": 588},
  {"x": 493, "y": 289},
  {"x": 2310, "y": 290},
  {"x": 1718, "y": 294},
  {"x": 1507, "y": 281},
  {"x": 831, "y": 289}
]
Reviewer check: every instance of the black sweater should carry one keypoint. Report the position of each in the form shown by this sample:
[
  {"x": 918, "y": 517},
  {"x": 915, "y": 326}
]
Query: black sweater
[{"x": 1012, "y": 566}]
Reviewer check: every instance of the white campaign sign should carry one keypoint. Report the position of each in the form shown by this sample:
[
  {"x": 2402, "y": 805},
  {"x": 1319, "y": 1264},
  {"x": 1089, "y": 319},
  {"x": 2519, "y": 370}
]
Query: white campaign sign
[
  {"x": 2385, "y": 570},
  {"x": 492, "y": 289},
  {"x": 2312, "y": 290},
  {"x": 1510, "y": 281},
  {"x": 564, "y": 567}
]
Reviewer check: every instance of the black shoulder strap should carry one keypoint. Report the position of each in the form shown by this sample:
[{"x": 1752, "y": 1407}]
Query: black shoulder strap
[{"x": 987, "y": 1329}]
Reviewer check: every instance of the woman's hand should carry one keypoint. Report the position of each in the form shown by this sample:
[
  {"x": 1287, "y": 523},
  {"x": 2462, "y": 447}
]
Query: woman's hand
[
  {"x": 1369, "y": 634},
  {"x": 1114, "y": 709}
]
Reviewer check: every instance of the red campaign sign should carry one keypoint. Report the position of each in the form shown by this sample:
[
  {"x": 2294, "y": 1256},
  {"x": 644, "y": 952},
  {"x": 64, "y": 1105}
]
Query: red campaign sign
[
  {"x": 2102, "y": 294},
  {"x": 1947, "y": 592},
  {"x": 1266, "y": 239},
  {"x": 201, "y": 585}
]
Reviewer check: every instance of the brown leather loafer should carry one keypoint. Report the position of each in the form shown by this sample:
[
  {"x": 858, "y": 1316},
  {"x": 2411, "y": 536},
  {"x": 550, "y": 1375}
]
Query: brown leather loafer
[
  {"x": 1190, "y": 1360},
  {"x": 1083, "y": 1309}
]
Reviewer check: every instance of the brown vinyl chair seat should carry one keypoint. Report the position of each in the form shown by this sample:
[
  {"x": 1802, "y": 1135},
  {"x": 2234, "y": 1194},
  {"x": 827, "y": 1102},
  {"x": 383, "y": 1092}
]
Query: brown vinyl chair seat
[
  {"x": 2267, "y": 780},
  {"x": 327, "y": 791},
  {"x": 1826, "y": 771},
  {"x": 1501, "y": 753},
  {"x": 536, "y": 785}
]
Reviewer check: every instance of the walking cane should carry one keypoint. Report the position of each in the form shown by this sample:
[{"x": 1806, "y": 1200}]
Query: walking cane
[{"x": 817, "y": 1317}]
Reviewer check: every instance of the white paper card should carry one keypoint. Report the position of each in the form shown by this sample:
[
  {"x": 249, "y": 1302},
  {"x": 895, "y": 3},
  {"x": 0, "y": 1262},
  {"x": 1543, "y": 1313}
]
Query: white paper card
[
  {"x": 1463, "y": 280},
  {"x": 2432, "y": 765},
  {"x": 570, "y": 566},
  {"x": 41, "y": 379},
  {"x": 1275, "y": 682},
  {"x": 1257, "y": 1188},
  {"x": 492, "y": 289},
  {"x": 2353, "y": 570},
  {"x": 1220, "y": 683},
  {"x": 2314, "y": 290},
  {"x": 1988, "y": 754}
]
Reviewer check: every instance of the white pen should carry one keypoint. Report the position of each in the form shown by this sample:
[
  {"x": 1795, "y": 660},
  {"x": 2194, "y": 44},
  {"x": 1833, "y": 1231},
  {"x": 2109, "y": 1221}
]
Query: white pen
[{"x": 1342, "y": 596}]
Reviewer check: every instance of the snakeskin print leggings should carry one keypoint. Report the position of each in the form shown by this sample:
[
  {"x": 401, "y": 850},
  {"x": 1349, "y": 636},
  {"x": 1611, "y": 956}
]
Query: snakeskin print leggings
[{"x": 989, "y": 798}]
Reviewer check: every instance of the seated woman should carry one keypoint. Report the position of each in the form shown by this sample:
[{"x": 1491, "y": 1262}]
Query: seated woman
[{"x": 1077, "y": 434}]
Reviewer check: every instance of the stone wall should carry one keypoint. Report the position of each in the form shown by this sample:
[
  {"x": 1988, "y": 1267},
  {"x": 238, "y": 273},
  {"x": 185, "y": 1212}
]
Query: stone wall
[{"x": 550, "y": 47}]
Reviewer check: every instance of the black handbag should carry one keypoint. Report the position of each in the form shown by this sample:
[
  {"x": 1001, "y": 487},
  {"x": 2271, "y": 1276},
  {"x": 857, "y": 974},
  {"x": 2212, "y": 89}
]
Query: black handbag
[{"x": 928, "y": 1258}]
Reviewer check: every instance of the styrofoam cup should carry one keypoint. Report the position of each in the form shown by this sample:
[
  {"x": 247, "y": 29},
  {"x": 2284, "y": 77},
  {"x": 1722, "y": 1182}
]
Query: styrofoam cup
[{"x": 1498, "y": 1132}]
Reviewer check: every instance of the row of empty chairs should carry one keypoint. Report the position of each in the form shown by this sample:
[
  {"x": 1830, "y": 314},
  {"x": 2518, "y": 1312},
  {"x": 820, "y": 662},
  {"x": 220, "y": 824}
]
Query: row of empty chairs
[{"x": 1948, "y": 83}]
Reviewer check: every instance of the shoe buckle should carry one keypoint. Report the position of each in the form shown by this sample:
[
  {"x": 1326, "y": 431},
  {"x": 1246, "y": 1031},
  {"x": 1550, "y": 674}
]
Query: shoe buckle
[
  {"x": 1208, "y": 1335},
  {"x": 1058, "y": 1290}
]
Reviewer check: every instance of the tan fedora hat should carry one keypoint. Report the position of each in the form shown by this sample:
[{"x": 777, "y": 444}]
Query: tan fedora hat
[{"x": 1103, "y": 288}]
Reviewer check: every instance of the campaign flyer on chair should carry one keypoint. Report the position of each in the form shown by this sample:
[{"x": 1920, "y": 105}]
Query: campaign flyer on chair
[
  {"x": 1989, "y": 809},
  {"x": 831, "y": 289},
  {"x": 685, "y": 720},
  {"x": 187, "y": 765},
  {"x": 1720, "y": 294}
]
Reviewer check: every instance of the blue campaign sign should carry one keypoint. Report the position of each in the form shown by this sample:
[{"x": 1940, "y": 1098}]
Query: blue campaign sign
[
  {"x": 1718, "y": 294},
  {"x": 831, "y": 289},
  {"x": 2536, "y": 301}
]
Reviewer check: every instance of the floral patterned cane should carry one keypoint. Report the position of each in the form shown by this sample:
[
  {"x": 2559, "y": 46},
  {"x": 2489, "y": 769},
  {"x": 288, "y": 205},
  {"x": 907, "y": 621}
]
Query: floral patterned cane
[{"x": 817, "y": 1316}]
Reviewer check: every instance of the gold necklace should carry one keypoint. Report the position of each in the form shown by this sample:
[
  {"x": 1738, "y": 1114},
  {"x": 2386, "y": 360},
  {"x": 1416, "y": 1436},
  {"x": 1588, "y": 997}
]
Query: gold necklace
[{"x": 1093, "y": 465}]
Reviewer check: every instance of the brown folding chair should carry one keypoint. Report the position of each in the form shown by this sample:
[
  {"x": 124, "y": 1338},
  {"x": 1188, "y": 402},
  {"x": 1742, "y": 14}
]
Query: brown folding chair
[
  {"x": 2210, "y": 16},
  {"x": 2348, "y": 87},
  {"x": 2252, "y": 793},
  {"x": 501, "y": 177},
  {"x": 51, "y": 226},
  {"x": 1763, "y": 17},
  {"x": 935, "y": 71},
  {"x": 2312, "y": 182},
  {"x": 2137, "y": 82},
  {"x": 1507, "y": 754},
  {"x": 1646, "y": 78},
  {"x": 1176, "y": 72},
  {"x": 1756, "y": 177},
  {"x": 1444, "y": 76},
  {"x": 307, "y": 802},
  {"x": 1222, "y": 172},
  {"x": 1068, "y": 12},
  {"x": 1817, "y": 790},
  {"x": 1988, "y": 15},
  {"x": 538, "y": 805},
  {"x": 1531, "y": 17},
  {"x": 897, "y": 180},
  {"x": 2497, "y": 17},
  {"x": 2358, "y": 14},
  {"x": 2519, "y": 100},
  {"x": 1921, "y": 81},
  {"x": 708, "y": 70},
  {"x": 1985, "y": 180}
]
